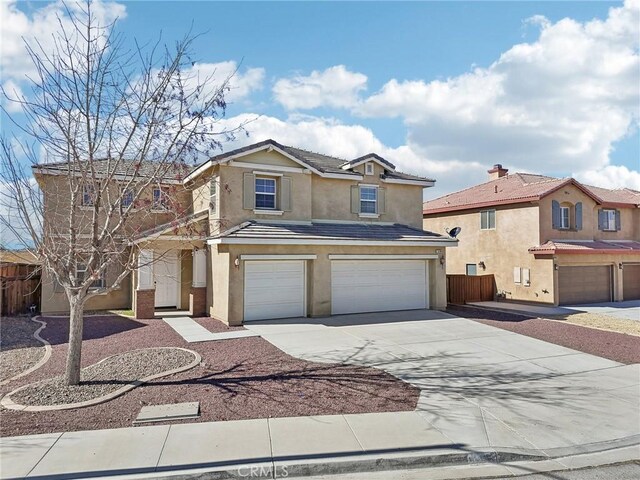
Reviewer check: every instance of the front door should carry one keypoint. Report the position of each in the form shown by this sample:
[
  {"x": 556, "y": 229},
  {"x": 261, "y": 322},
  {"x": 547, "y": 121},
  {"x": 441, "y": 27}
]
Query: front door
[{"x": 165, "y": 273}]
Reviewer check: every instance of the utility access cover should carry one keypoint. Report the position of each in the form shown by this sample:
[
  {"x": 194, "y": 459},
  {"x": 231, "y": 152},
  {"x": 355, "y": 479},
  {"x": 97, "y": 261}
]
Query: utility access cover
[{"x": 162, "y": 413}]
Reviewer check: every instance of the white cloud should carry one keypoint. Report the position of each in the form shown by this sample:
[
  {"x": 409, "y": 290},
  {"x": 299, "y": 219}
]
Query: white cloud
[
  {"x": 11, "y": 96},
  {"x": 334, "y": 87},
  {"x": 611, "y": 176},
  {"x": 351, "y": 141},
  {"x": 241, "y": 83},
  {"x": 41, "y": 24},
  {"x": 556, "y": 104}
]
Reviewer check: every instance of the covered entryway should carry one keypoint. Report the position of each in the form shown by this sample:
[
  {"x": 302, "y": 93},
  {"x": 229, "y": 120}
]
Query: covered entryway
[
  {"x": 165, "y": 276},
  {"x": 274, "y": 289},
  {"x": 631, "y": 281},
  {"x": 378, "y": 285},
  {"x": 584, "y": 284}
]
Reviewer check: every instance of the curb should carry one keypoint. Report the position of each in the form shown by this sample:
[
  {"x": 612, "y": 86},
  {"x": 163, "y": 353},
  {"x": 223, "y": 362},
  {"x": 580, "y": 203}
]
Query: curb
[
  {"x": 45, "y": 358},
  {"x": 7, "y": 403},
  {"x": 361, "y": 463}
]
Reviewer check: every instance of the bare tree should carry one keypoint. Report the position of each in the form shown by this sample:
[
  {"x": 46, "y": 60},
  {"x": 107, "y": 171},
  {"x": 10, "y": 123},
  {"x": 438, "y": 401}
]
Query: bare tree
[{"x": 107, "y": 135}]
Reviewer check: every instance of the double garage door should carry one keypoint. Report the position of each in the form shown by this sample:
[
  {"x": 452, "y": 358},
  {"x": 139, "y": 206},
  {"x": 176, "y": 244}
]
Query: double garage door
[
  {"x": 277, "y": 289},
  {"x": 590, "y": 284}
]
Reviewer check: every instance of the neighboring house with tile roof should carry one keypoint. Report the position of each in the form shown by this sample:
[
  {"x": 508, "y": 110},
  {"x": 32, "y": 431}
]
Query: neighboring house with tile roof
[
  {"x": 273, "y": 231},
  {"x": 545, "y": 239}
]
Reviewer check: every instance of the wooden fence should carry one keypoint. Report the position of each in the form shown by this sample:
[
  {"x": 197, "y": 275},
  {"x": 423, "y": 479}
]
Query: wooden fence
[
  {"x": 19, "y": 288},
  {"x": 470, "y": 288}
]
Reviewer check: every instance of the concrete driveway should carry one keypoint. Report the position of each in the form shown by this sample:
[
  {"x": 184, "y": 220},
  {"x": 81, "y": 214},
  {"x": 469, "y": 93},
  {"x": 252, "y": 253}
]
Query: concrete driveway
[
  {"x": 481, "y": 386},
  {"x": 629, "y": 310}
]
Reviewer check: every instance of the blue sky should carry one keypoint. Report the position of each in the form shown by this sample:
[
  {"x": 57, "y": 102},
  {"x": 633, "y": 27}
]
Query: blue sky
[{"x": 443, "y": 89}]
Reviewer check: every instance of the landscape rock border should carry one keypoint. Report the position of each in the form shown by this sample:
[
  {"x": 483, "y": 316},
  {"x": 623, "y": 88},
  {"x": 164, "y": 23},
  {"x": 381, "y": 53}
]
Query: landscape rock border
[
  {"x": 45, "y": 358},
  {"x": 7, "y": 403}
]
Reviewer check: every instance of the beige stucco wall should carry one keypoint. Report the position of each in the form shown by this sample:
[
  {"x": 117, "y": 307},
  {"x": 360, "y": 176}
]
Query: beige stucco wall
[
  {"x": 501, "y": 249},
  {"x": 571, "y": 195},
  {"x": 54, "y": 300},
  {"x": 228, "y": 280},
  {"x": 231, "y": 204}
]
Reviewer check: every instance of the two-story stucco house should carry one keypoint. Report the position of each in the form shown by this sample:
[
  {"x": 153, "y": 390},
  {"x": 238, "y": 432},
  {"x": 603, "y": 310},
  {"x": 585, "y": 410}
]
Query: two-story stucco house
[
  {"x": 544, "y": 239},
  {"x": 283, "y": 232}
]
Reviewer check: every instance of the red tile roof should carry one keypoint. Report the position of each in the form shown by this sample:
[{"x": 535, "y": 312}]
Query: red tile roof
[
  {"x": 523, "y": 187},
  {"x": 587, "y": 247}
]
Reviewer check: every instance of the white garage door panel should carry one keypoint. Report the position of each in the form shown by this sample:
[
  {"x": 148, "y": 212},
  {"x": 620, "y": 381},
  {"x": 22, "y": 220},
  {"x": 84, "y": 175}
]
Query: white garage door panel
[
  {"x": 378, "y": 285},
  {"x": 273, "y": 290}
]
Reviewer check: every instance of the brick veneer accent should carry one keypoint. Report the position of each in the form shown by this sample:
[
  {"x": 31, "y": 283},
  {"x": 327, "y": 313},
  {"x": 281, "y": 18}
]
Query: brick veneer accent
[
  {"x": 145, "y": 303},
  {"x": 198, "y": 301}
]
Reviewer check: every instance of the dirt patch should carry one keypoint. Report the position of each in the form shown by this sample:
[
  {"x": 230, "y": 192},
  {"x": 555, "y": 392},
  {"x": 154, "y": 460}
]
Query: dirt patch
[
  {"x": 238, "y": 379},
  {"x": 105, "y": 377},
  {"x": 615, "y": 346},
  {"x": 601, "y": 322},
  {"x": 19, "y": 350}
]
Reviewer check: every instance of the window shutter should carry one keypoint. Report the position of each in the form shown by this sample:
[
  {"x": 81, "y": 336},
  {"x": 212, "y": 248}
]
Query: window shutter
[
  {"x": 555, "y": 214},
  {"x": 602, "y": 219},
  {"x": 618, "y": 223},
  {"x": 285, "y": 194},
  {"x": 145, "y": 270},
  {"x": 579, "y": 216},
  {"x": 249, "y": 191},
  {"x": 355, "y": 199},
  {"x": 382, "y": 201}
]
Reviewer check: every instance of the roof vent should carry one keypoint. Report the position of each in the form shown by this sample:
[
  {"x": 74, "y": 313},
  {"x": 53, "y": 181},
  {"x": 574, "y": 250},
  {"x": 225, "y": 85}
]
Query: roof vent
[{"x": 497, "y": 172}]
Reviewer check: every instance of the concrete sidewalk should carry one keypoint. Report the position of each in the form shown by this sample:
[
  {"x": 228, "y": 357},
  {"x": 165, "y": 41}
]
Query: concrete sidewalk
[{"x": 295, "y": 446}]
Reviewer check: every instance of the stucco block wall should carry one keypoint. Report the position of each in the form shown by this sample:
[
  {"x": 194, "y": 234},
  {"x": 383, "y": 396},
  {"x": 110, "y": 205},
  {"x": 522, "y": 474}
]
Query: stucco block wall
[
  {"x": 501, "y": 249},
  {"x": 228, "y": 280}
]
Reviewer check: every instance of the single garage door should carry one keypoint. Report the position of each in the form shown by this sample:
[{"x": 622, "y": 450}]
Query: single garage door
[
  {"x": 631, "y": 282},
  {"x": 584, "y": 284},
  {"x": 378, "y": 285},
  {"x": 274, "y": 289}
]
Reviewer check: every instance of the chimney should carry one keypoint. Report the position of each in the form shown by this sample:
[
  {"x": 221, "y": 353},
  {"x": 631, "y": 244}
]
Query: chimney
[{"x": 497, "y": 172}]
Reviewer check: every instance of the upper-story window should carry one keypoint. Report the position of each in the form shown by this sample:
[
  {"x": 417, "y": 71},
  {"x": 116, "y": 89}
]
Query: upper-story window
[
  {"x": 368, "y": 168},
  {"x": 368, "y": 200},
  {"x": 126, "y": 197},
  {"x": 488, "y": 220},
  {"x": 265, "y": 191},
  {"x": 213, "y": 194},
  {"x": 160, "y": 199},
  {"x": 609, "y": 220},
  {"x": 565, "y": 217},
  {"x": 88, "y": 195}
]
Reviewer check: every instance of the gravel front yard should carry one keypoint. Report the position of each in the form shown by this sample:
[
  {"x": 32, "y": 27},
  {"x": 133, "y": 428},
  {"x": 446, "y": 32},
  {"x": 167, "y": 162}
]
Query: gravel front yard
[
  {"x": 612, "y": 345},
  {"x": 602, "y": 322},
  {"x": 238, "y": 379},
  {"x": 19, "y": 351},
  {"x": 104, "y": 377}
]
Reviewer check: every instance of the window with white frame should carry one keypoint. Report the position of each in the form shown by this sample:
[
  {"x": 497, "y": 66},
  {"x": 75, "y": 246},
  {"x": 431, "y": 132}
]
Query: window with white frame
[
  {"x": 126, "y": 198},
  {"x": 160, "y": 199},
  {"x": 265, "y": 193},
  {"x": 82, "y": 273},
  {"x": 565, "y": 217},
  {"x": 213, "y": 194},
  {"x": 471, "y": 269},
  {"x": 88, "y": 195},
  {"x": 368, "y": 168},
  {"x": 609, "y": 219},
  {"x": 368, "y": 200},
  {"x": 488, "y": 220}
]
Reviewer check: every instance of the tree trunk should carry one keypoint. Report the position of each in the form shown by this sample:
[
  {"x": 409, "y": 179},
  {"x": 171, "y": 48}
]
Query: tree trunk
[{"x": 72, "y": 373}]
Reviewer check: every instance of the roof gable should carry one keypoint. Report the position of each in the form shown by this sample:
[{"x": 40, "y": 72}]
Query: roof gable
[{"x": 369, "y": 157}]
